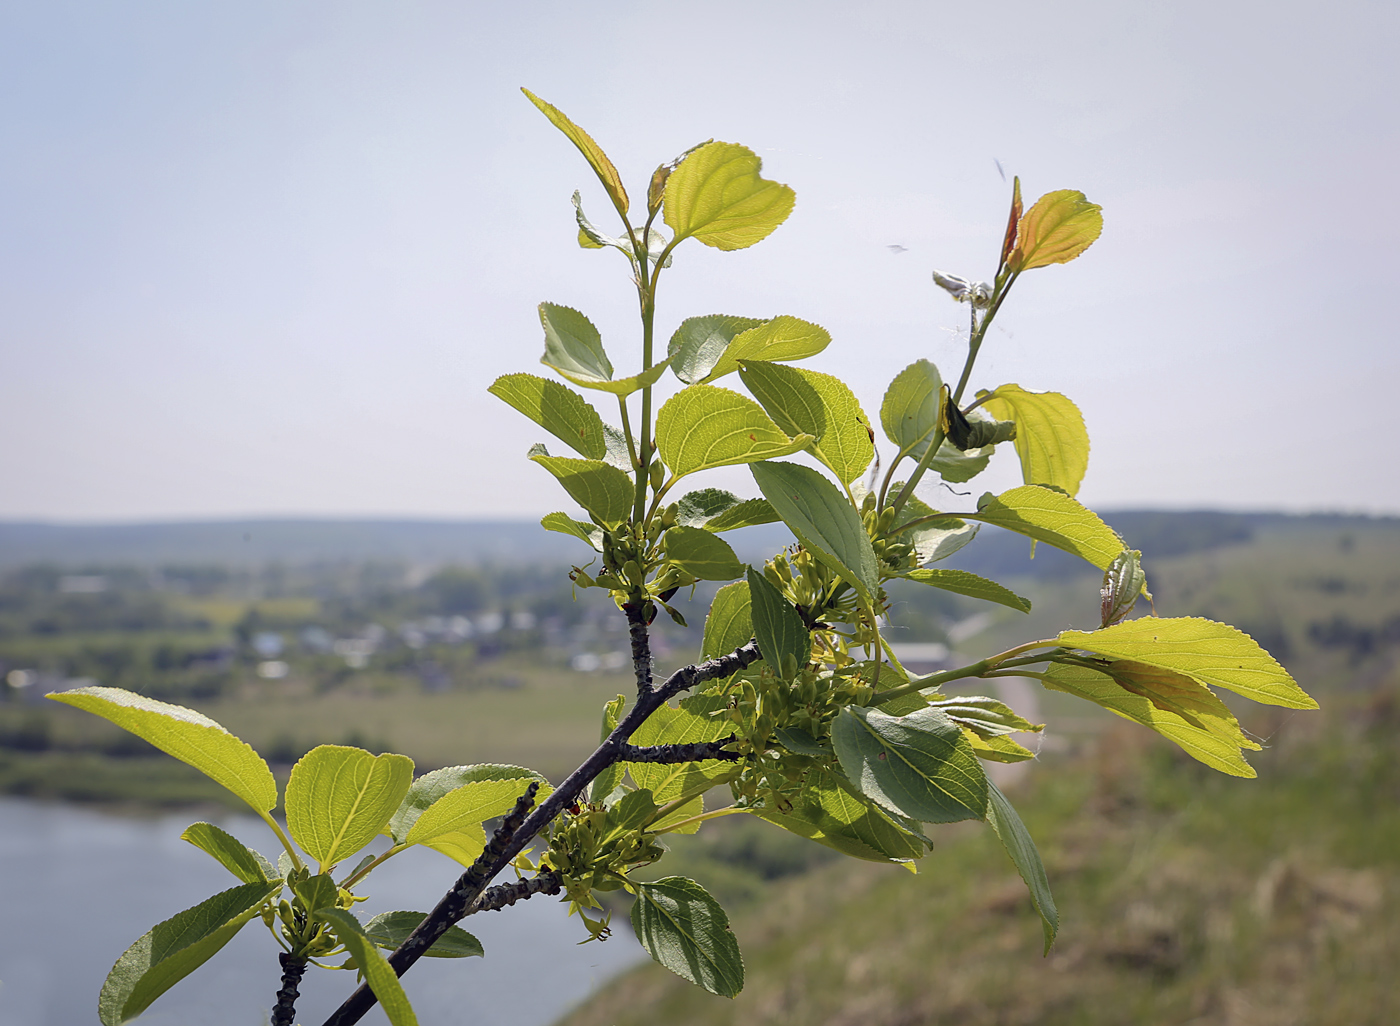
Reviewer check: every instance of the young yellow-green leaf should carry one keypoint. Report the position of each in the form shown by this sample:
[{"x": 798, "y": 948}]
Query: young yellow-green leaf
[
  {"x": 961, "y": 582},
  {"x": 607, "y": 781},
  {"x": 801, "y": 401},
  {"x": 997, "y": 748},
  {"x": 378, "y": 973},
  {"x": 702, "y": 554},
  {"x": 598, "y": 487},
  {"x": 933, "y": 539},
  {"x": 1016, "y": 839},
  {"x": 730, "y": 624},
  {"x": 824, "y": 521},
  {"x": 1179, "y": 708},
  {"x": 716, "y": 196},
  {"x": 560, "y": 411},
  {"x": 783, "y": 639},
  {"x": 704, "y": 426},
  {"x": 562, "y": 523},
  {"x": 684, "y": 929},
  {"x": 468, "y": 807},
  {"x": 918, "y": 765},
  {"x": 748, "y": 513},
  {"x": 231, "y": 853},
  {"x": 700, "y": 342},
  {"x": 909, "y": 412},
  {"x": 780, "y": 340},
  {"x": 698, "y": 718},
  {"x": 831, "y": 815},
  {"x": 339, "y": 797},
  {"x": 1050, "y": 436},
  {"x": 574, "y": 349},
  {"x": 187, "y": 735},
  {"x": 431, "y": 786},
  {"x": 987, "y": 716},
  {"x": 171, "y": 950},
  {"x": 592, "y": 152},
  {"x": 390, "y": 929},
  {"x": 1059, "y": 227},
  {"x": 1212, "y": 653},
  {"x": 1054, "y": 518}
]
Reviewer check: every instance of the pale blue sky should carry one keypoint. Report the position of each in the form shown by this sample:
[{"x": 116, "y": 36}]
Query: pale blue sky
[{"x": 264, "y": 258}]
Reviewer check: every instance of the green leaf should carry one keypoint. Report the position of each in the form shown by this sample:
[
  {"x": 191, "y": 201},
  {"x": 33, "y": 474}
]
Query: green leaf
[
  {"x": 824, "y": 521},
  {"x": 699, "y": 343},
  {"x": 390, "y": 929},
  {"x": 171, "y": 950},
  {"x": 934, "y": 539},
  {"x": 702, "y": 554},
  {"x": 433, "y": 785},
  {"x": 1059, "y": 227},
  {"x": 1016, "y": 839},
  {"x": 963, "y": 583},
  {"x": 592, "y": 152},
  {"x": 704, "y": 426},
  {"x": 748, "y": 513},
  {"x": 316, "y": 892},
  {"x": 338, "y": 799},
  {"x": 1051, "y": 439},
  {"x": 562, "y": 523},
  {"x": 918, "y": 765},
  {"x": 696, "y": 719},
  {"x": 231, "y": 853},
  {"x": 618, "y": 454},
  {"x": 380, "y": 976},
  {"x": 986, "y": 716},
  {"x": 453, "y": 823},
  {"x": 684, "y": 929},
  {"x": 780, "y": 340},
  {"x": 801, "y": 401},
  {"x": 187, "y": 735},
  {"x": 694, "y": 509},
  {"x": 603, "y": 490},
  {"x": 716, "y": 196},
  {"x": 909, "y": 412},
  {"x": 1054, "y": 518},
  {"x": 831, "y": 815},
  {"x": 730, "y": 624},
  {"x": 783, "y": 639},
  {"x": 998, "y": 748},
  {"x": 956, "y": 466},
  {"x": 560, "y": 411},
  {"x": 574, "y": 349},
  {"x": 1212, "y": 653},
  {"x": 607, "y": 781},
  {"x": 1180, "y": 708}
]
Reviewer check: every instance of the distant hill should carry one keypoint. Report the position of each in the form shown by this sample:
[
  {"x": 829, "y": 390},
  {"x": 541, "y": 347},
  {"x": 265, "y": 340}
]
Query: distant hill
[{"x": 253, "y": 542}]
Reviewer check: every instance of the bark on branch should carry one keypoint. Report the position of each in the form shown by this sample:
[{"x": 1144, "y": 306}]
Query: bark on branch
[
  {"x": 284, "y": 1012},
  {"x": 694, "y": 752}
]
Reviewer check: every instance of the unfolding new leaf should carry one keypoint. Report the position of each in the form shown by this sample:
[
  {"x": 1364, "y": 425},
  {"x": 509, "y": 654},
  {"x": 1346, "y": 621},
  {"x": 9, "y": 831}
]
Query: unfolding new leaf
[
  {"x": 574, "y": 349},
  {"x": 1051, "y": 440},
  {"x": 961, "y": 582},
  {"x": 683, "y": 927},
  {"x": 717, "y": 196},
  {"x": 783, "y": 639},
  {"x": 704, "y": 426},
  {"x": 780, "y": 340},
  {"x": 1212, "y": 653},
  {"x": 700, "y": 342},
  {"x": 918, "y": 765},
  {"x": 1059, "y": 227},
  {"x": 1054, "y": 518},
  {"x": 748, "y": 513},
  {"x": 390, "y": 929},
  {"x": 1176, "y": 706},
  {"x": 171, "y": 950},
  {"x": 1016, "y": 839},
  {"x": 598, "y": 487},
  {"x": 702, "y": 554},
  {"x": 339, "y": 798},
  {"x": 378, "y": 973},
  {"x": 235, "y": 856},
  {"x": 592, "y": 152},
  {"x": 562, "y": 523},
  {"x": 1124, "y": 582},
  {"x": 801, "y": 401},
  {"x": 187, "y": 735},
  {"x": 730, "y": 624},
  {"x": 823, "y": 519},
  {"x": 559, "y": 410}
]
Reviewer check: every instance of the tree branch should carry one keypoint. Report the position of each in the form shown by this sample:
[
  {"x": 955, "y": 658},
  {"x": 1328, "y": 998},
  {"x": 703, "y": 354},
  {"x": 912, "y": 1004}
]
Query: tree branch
[
  {"x": 641, "y": 643},
  {"x": 695, "y": 752},
  {"x": 284, "y": 1012},
  {"x": 508, "y": 843},
  {"x": 493, "y": 899}
]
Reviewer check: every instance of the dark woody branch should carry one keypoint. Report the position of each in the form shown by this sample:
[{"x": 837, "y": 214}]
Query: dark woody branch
[
  {"x": 518, "y": 829},
  {"x": 695, "y": 752},
  {"x": 493, "y": 899},
  {"x": 285, "y": 1010}
]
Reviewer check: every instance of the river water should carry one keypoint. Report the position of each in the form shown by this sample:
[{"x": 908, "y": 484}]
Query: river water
[{"x": 77, "y": 886}]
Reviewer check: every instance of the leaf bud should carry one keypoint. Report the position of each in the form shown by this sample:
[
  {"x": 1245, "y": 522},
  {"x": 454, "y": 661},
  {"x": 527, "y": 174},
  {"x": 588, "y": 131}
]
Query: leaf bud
[
  {"x": 657, "y": 474},
  {"x": 1123, "y": 582}
]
